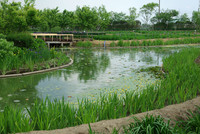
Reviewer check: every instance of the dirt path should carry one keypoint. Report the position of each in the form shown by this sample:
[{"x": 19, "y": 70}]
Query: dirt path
[{"x": 173, "y": 112}]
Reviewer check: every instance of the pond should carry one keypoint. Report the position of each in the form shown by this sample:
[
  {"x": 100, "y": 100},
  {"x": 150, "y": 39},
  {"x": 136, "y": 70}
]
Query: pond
[{"x": 94, "y": 71}]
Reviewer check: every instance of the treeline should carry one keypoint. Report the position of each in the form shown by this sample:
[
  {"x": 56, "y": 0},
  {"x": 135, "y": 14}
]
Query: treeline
[{"x": 17, "y": 17}]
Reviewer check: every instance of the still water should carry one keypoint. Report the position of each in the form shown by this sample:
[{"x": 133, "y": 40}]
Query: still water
[{"x": 93, "y": 72}]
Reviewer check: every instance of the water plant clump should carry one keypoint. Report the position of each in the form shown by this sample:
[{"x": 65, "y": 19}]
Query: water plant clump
[
  {"x": 140, "y": 35},
  {"x": 157, "y": 71},
  {"x": 86, "y": 44},
  {"x": 157, "y": 42},
  {"x": 157, "y": 125},
  {"x": 149, "y": 125}
]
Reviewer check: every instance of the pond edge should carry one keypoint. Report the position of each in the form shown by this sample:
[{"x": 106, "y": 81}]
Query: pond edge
[{"x": 37, "y": 72}]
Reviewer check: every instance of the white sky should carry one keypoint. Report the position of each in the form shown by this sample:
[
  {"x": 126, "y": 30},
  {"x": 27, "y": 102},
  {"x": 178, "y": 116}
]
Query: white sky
[{"x": 183, "y": 6}]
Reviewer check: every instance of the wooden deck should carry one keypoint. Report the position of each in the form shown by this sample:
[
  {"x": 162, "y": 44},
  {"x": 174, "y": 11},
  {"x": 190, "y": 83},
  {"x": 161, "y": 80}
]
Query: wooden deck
[{"x": 50, "y": 38}]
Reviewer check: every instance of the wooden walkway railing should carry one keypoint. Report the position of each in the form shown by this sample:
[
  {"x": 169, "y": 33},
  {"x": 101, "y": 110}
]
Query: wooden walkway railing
[{"x": 55, "y": 38}]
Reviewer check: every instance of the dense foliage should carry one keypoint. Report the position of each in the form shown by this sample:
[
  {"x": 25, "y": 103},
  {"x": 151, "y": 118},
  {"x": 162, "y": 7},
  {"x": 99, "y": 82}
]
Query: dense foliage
[
  {"x": 22, "y": 40},
  {"x": 18, "y": 18},
  {"x": 27, "y": 54}
]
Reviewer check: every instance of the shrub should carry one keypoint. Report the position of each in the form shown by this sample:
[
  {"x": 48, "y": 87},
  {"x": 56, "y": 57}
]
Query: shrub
[
  {"x": 192, "y": 125},
  {"x": 135, "y": 43},
  {"x": 84, "y": 44},
  {"x": 127, "y": 44},
  {"x": 2, "y": 36},
  {"x": 112, "y": 44},
  {"x": 23, "y": 40},
  {"x": 56, "y": 29},
  {"x": 149, "y": 125},
  {"x": 6, "y": 48},
  {"x": 120, "y": 43},
  {"x": 39, "y": 44}
]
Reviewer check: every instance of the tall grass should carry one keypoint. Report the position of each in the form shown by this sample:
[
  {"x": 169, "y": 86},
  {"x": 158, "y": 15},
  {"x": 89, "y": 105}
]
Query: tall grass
[
  {"x": 157, "y": 42},
  {"x": 192, "y": 124},
  {"x": 181, "y": 84},
  {"x": 139, "y": 35},
  {"x": 149, "y": 125},
  {"x": 84, "y": 44}
]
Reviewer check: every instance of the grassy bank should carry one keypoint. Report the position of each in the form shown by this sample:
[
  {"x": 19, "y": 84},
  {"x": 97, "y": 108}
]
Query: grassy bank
[
  {"x": 138, "y": 35},
  {"x": 181, "y": 84},
  {"x": 157, "y": 42},
  {"x": 136, "y": 43}
]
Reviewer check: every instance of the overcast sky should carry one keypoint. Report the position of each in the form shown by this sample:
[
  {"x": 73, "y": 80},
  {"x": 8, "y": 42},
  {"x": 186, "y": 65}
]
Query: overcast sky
[{"x": 184, "y": 6}]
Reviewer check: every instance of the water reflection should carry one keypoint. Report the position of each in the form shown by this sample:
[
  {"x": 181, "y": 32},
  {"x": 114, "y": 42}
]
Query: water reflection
[
  {"x": 89, "y": 64},
  {"x": 92, "y": 69}
]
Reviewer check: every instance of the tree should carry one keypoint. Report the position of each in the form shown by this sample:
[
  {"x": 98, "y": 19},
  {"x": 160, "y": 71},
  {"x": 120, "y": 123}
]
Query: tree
[
  {"x": 32, "y": 18},
  {"x": 87, "y": 18},
  {"x": 12, "y": 17},
  {"x": 104, "y": 18},
  {"x": 147, "y": 11},
  {"x": 183, "y": 22},
  {"x": 165, "y": 18},
  {"x": 50, "y": 17},
  {"x": 196, "y": 19},
  {"x": 67, "y": 20},
  {"x": 133, "y": 16},
  {"x": 184, "y": 18},
  {"x": 28, "y": 4}
]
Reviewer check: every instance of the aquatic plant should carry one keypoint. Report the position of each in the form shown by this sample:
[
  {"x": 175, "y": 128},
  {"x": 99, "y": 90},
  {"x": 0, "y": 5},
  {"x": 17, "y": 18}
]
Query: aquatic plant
[
  {"x": 158, "y": 42},
  {"x": 149, "y": 125},
  {"x": 84, "y": 44},
  {"x": 139, "y": 35}
]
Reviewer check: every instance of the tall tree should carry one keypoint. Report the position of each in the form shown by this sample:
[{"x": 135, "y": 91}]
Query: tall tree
[
  {"x": 184, "y": 18},
  {"x": 32, "y": 18},
  {"x": 87, "y": 18},
  {"x": 50, "y": 17},
  {"x": 133, "y": 16},
  {"x": 146, "y": 11},
  {"x": 28, "y": 4},
  {"x": 165, "y": 18},
  {"x": 67, "y": 20},
  {"x": 104, "y": 18},
  {"x": 196, "y": 19},
  {"x": 13, "y": 17}
]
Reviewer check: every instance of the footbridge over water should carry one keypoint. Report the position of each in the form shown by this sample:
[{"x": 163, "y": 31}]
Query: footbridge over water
[{"x": 51, "y": 38}]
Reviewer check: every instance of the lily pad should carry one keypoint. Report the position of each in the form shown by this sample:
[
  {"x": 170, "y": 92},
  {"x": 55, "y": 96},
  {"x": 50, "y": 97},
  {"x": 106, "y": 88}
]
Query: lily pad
[
  {"x": 22, "y": 90},
  {"x": 9, "y": 95},
  {"x": 16, "y": 101}
]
